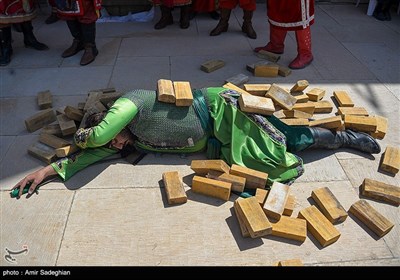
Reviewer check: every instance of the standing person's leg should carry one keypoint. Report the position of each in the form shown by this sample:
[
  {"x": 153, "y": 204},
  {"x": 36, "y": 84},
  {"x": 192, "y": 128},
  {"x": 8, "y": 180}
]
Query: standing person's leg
[
  {"x": 5, "y": 45},
  {"x": 89, "y": 43},
  {"x": 304, "y": 54},
  {"x": 30, "y": 40},
  {"x": 301, "y": 138},
  {"x": 276, "y": 42},
  {"x": 247, "y": 27},
  {"x": 166, "y": 17},
  {"x": 226, "y": 7},
  {"x": 53, "y": 16},
  {"x": 184, "y": 21},
  {"x": 77, "y": 44}
]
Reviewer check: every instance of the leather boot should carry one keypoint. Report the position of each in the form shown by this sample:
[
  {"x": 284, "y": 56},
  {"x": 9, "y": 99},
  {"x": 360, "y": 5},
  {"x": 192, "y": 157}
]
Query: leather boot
[
  {"x": 30, "y": 40},
  {"x": 223, "y": 23},
  {"x": 166, "y": 18},
  {"x": 5, "y": 46},
  {"x": 304, "y": 55},
  {"x": 89, "y": 37},
  {"x": 276, "y": 42},
  {"x": 326, "y": 139},
  {"x": 184, "y": 21},
  {"x": 378, "y": 11},
  {"x": 77, "y": 44},
  {"x": 247, "y": 26}
]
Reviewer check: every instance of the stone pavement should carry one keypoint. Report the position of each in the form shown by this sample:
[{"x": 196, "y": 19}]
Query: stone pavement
[{"x": 116, "y": 214}]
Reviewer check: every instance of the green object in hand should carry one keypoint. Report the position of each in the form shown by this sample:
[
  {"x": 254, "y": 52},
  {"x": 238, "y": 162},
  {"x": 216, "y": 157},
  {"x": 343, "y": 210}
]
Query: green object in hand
[{"x": 14, "y": 193}]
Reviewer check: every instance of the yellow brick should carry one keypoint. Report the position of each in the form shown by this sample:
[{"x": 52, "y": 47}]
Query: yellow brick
[
  {"x": 254, "y": 178},
  {"x": 174, "y": 188},
  {"x": 211, "y": 187}
]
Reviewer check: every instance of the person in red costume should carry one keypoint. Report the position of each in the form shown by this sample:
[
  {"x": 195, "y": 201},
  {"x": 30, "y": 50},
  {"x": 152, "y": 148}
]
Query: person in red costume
[
  {"x": 290, "y": 15},
  {"x": 204, "y": 6},
  {"x": 81, "y": 17},
  {"x": 167, "y": 6},
  {"x": 226, "y": 6},
  {"x": 17, "y": 13}
]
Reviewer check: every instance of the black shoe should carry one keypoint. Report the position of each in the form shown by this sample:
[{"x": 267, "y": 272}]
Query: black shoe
[
  {"x": 36, "y": 45},
  {"x": 380, "y": 16},
  {"x": 214, "y": 15},
  {"x": 52, "y": 19}
]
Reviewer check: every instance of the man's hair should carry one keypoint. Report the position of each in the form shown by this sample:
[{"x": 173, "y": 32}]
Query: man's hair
[{"x": 95, "y": 118}]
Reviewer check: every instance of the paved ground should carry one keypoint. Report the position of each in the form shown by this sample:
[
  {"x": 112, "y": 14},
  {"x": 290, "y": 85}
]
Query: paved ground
[{"x": 116, "y": 214}]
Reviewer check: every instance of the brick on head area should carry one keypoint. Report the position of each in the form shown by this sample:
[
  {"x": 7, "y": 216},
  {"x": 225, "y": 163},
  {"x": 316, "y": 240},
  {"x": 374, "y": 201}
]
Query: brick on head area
[
  {"x": 165, "y": 91},
  {"x": 256, "y": 104},
  {"x": 183, "y": 93},
  {"x": 380, "y": 191},
  {"x": 174, "y": 188},
  {"x": 202, "y": 167},
  {"x": 319, "y": 226},
  {"x": 374, "y": 220},
  {"x": 253, "y": 216},
  {"x": 254, "y": 178},
  {"x": 329, "y": 205},
  {"x": 211, "y": 187},
  {"x": 390, "y": 160},
  {"x": 281, "y": 97}
]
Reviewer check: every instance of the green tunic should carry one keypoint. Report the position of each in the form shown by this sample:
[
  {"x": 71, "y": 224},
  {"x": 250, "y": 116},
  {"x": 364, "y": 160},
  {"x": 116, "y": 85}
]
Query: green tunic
[{"x": 245, "y": 139}]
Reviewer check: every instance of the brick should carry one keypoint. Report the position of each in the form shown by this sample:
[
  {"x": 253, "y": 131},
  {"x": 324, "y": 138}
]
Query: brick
[
  {"x": 257, "y": 89},
  {"x": 380, "y": 191},
  {"x": 211, "y": 187},
  {"x": 308, "y": 107},
  {"x": 109, "y": 97},
  {"x": 381, "y": 127},
  {"x": 165, "y": 90},
  {"x": 276, "y": 200},
  {"x": 183, "y": 94},
  {"x": 235, "y": 88},
  {"x": 66, "y": 151},
  {"x": 390, "y": 160},
  {"x": 261, "y": 195},
  {"x": 358, "y": 111},
  {"x": 297, "y": 114},
  {"x": 319, "y": 226},
  {"x": 374, "y": 220},
  {"x": 243, "y": 229},
  {"x": 289, "y": 206},
  {"x": 316, "y": 94},
  {"x": 360, "y": 123},
  {"x": 329, "y": 205},
  {"x": 42, "y": 152},
  {"x": 290, "y": 228},
  {"x": 53, "y": 141},
  {"x": 293, "y": 262},
  {"x": 202, "y": 167},
  {"x": 279, "y": 114},
  {"x": 295, "y": 122},
  {"x": 254, "y": 178},
  {"x": 105, "y": 90},
  {"x": 96, "y": 107},
  {"x": 284, "y": 71},
  {"x": 343, "y": 98},
  {"x": 300, "y": 97},
  {"x": 40, "y": 119},
  {"x": 212, "y": 65},
  {"x": 250, "y": 67},
  {"x": 266, "y": 70},
  {"x": 67, "y": 125},
  {"x": 299, "y": 86},
  {"x": 174, "y": 188},
  {"x": 256, "y": 104},
  {"x": 53, "y": 129},
  {"x": 281, "y": 97},
  {"x": 45, "y": 100},
  {"x": 329, "y": 123},
  {"x": 238, "y": 79},
  {"x": 237, "y": 182},
  {"x": 73, "y": 113},
  {"x": 253, "y": 217},
  {"x": 273, "y": 57},
  {"x": 323, "y": 106},
  {"x": 93, "y": 97}
]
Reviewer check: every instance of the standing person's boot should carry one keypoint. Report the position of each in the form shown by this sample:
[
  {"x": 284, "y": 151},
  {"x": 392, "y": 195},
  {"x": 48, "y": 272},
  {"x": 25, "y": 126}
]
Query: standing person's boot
[
  {"x": 184, "y": 21},
  {"x": 378, "y": 11},
  {"x": 247, "y": 26},
  {"x": 74, "y": 27},
  {"x": 89, "y": 37},
  {"x": 304, "y": 54},
  {"x": 223, "y": 23},
  {"x": 386, "y": 9},
  {"x": 5, "y": 46},
  {"x": 276, "y": 42},
  {"x": 326, "y": 139},
  {"x": 166, "y": 18},
  {"x": 30, "y": 40}
]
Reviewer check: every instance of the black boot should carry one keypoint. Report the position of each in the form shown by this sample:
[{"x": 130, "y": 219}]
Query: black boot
[
  {"x": 184, "y": 21},
  {"x": 74, "y": 27},
  {"x": 89, "y": 37},
  {"x": 223, "y": 23},
  {"x": 166, "y": 18},
  {"x": 247, "y": 26},
  {"x": 5, "y": 46},
  {"x": 30, "y": 40},
  {"x": 326, "y": 139},
  {"x": 378, "y": 11}
]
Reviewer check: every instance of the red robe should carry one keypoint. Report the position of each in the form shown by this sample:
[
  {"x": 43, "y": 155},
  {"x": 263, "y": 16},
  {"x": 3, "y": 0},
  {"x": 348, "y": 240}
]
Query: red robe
[
  {"x": 290, "y": 14},
  {"x": 204, "y": 6},
  {"x": 12, "y": 11},
  {"x": 248, "y": 5},
  {"x": 172, "y": 3},
  {"x": 89, "y": 10}
]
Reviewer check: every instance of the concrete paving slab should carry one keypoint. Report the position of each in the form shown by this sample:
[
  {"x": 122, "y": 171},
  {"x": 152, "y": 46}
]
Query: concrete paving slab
[{"x": 5, "y": 143}]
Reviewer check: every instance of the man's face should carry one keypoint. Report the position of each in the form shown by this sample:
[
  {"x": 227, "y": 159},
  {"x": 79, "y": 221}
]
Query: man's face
[{"x": 121, "y": 140}]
